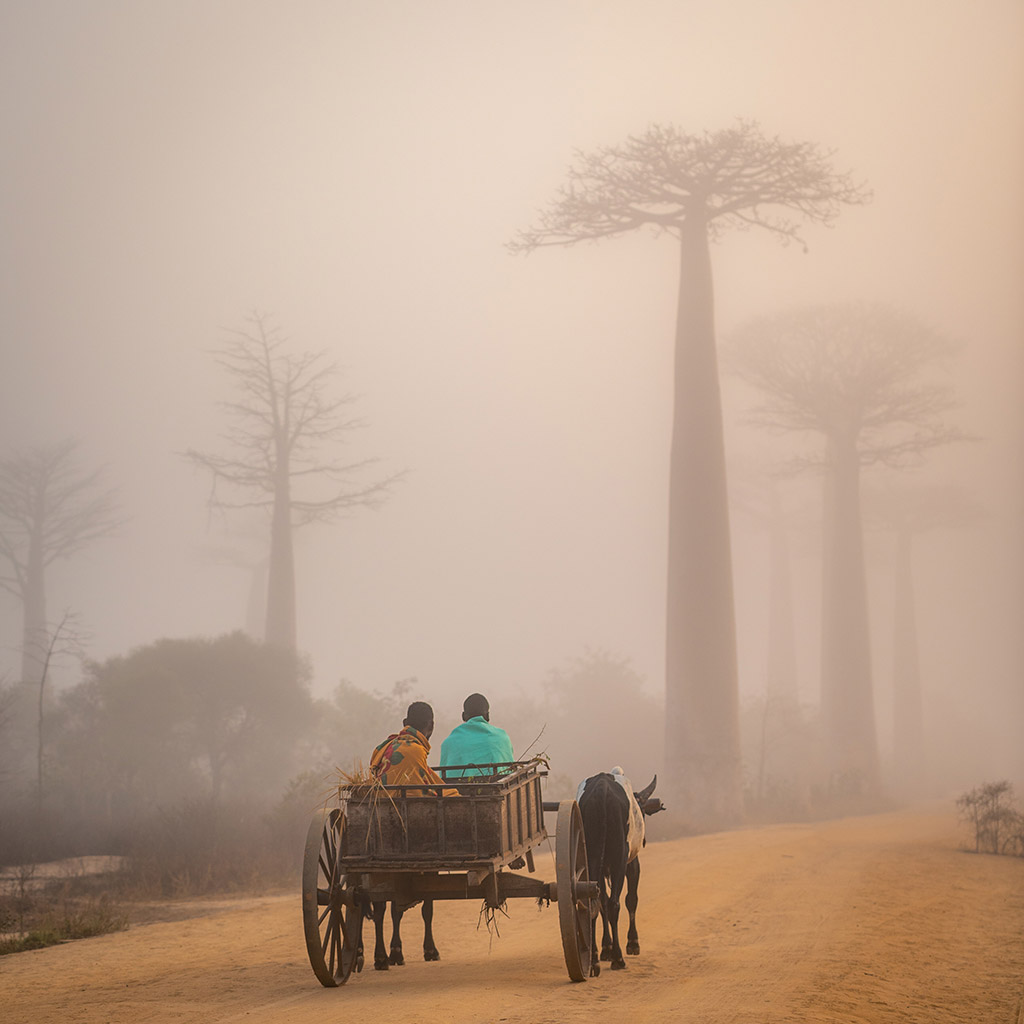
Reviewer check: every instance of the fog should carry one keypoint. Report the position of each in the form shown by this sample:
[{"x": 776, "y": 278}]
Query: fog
[{"x": 355, "y": 170}]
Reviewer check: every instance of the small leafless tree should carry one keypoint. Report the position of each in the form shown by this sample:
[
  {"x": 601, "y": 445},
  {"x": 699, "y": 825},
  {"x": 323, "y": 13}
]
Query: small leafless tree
[
  {"x": 66, "y": 638},
  {"x": 998, "y": 826},
  {"x": 861, "y": 377},
  {"x": 693, "y": 188},
  {"x": 49, "y": 510},
  {"x": 286, "y": 426}
]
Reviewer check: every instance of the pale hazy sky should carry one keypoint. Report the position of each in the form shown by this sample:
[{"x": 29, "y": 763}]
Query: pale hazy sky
[{"x": 355, "y": 169}]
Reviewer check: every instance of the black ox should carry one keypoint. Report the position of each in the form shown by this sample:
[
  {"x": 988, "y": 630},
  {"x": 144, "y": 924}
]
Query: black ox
[{"x": 605, "y": 808}]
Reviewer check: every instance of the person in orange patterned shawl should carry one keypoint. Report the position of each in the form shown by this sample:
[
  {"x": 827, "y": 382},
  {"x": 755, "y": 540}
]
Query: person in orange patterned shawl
[{"x": 402, "y": 758}]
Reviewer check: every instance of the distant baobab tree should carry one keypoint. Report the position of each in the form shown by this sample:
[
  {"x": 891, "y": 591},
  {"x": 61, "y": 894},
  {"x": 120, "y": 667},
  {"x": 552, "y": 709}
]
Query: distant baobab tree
[
  {"x": 50, "y": 509},
  {"x": 694, "y": 187},
  {"x": 252, "y": 559},
  {"x": 286, "y": 427},
  {"x": 754, "y": 493},
  {"x": 856, "y": 374},
  {"x": 910, "y": 511}
]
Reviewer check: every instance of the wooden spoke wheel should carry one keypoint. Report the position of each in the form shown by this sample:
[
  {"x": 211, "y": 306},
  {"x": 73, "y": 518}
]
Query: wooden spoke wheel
[
  {"x": 573, "y": 888},
  {"x": 332, "y": 915}
]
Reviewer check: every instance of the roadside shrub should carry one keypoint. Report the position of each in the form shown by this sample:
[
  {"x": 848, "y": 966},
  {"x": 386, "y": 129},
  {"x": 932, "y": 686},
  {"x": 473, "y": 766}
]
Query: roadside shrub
[
  {"x": 998, "y": 825},
  {"x": 194, "y": 848},
  {"x": 198, "y": 847},
  {"x": 35, "y": 916}
]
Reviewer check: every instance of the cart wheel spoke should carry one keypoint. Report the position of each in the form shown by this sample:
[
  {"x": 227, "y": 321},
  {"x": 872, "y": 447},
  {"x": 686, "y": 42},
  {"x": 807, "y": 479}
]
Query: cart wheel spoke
[
  {"x": 331, "y": 915},
  {"x": 571, "y": 877}
]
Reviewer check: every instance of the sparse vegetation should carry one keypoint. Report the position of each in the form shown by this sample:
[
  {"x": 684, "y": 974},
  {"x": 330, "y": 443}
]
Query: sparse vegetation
[
  {"x": 997, "y": 824},
  {"x": 34, "y": 914}
]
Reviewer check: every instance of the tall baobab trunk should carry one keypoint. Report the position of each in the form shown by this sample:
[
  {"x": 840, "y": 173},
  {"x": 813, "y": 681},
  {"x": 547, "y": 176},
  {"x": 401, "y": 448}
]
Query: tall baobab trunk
[
  {"x": 256, "y": 602},
  {"x": 847, "y": 698},
  {"x": 908, "y": 717},
  {"x": 782, "y": 681},
  {"x": 28, "y": 732},
  {"x": 280, "y": 628},
  {"x": 702, "y": 748},
  {"x": 33, "y": 636}
]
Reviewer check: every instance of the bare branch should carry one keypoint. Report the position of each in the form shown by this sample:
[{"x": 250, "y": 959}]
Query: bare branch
[
  {"x": 854, "y": 373},
  {"x": 281, "y": 422},
  {"x": 737, "y": 177},
  {"x": 49, "y": 509}
]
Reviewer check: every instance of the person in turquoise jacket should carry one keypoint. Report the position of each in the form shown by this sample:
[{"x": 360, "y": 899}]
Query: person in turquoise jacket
[{"x": 475, "y": 741}]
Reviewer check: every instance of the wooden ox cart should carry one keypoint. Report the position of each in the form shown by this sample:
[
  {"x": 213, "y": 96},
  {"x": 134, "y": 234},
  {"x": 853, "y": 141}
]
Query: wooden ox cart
[{"x": 409, "y": 843}]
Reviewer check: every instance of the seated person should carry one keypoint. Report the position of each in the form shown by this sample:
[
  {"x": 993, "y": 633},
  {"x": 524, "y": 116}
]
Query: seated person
[
  {"x": 476, "y": 741},
  {"x": 402, "y": 758}
]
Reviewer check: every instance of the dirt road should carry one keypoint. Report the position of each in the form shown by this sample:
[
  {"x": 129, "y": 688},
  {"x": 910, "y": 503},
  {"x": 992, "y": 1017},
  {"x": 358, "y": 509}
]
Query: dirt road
[{"x": 875, "y": 919}]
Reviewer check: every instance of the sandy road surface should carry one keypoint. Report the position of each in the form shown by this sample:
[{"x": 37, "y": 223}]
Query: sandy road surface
[{"x": 875, "y": 919}]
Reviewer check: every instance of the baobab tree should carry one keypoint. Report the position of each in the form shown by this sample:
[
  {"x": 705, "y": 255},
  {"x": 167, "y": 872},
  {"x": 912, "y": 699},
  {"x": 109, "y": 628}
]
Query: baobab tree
[
  {"x": 858, "y": 376},
  {"x": 776, "y": 731},
  {"x": 693, "y": 188},
  {"x": 909, "y": 512},
  {"x": 50, "y": 509},
  {"x": 285, "y": 428}
]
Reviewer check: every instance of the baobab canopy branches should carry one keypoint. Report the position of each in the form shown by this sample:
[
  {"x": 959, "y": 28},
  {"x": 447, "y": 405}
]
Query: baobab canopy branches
[
  {"x": 857, "y": 372},
  {"x": 736, "y": 177},
  {"x": 286, "y": 423},
  {"x": 50, "y": 509},
  {"x": 284, "y": 433}
]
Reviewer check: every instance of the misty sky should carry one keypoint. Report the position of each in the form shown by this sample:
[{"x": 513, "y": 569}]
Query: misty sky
[{"x": 355, "y": 169}]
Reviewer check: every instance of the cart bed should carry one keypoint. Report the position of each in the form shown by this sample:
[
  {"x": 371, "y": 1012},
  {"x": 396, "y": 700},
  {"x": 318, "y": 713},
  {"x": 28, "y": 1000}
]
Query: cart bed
[{"x": 494, "y": 819}]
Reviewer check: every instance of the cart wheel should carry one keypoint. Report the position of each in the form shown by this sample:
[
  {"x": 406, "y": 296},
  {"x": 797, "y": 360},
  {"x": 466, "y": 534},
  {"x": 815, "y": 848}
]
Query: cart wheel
[
  {"x": 573, "y": 891},
  {"x": 332, "y": 917}
]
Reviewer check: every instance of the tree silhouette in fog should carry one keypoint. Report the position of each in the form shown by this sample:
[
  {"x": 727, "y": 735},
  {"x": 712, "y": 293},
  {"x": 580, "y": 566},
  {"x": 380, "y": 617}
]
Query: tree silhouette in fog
[
  {"x": 50, "y": 509},
  {"x": 694, "y": 187},
  {"x": 776, "y": 731},
  {"x": 596, "y": 714},
  {"x": 65, "y": 639},
  {"x": 908, "y": 512},
  {"x": 858, "y": 375},
  {"x": 286, "y": 428},
  {"x": 195, "y": 717}
]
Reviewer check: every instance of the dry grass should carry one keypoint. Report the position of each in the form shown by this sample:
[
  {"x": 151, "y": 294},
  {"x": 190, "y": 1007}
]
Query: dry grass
[{"x": 34, "y": 914}]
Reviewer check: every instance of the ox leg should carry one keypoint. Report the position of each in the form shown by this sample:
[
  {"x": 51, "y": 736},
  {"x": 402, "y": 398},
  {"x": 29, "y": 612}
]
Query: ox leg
[
  {"x": 618, "y": 876},
  {"x": 380, "y": 953},
  {"x": 632, "y": 885},
  {"x": 395, "y": 957},
  {"x": 429, "y": 949},
  {"x": 602, "y": 899},
  {"x": 606, "y": 932}
]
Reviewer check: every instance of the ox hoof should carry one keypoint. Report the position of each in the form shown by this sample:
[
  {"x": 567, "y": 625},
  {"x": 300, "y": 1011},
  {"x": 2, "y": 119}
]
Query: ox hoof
[
  {"x": 380, "y": 965},
  {"x": 396, "y": 958},
  {"x": 633, "y": 949},
  {"x": 618, "y": 965},
  {"x": 430, "y": 955},
  {"x": 606, "y": 954},
  {"x": 595, "y": 968}
]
